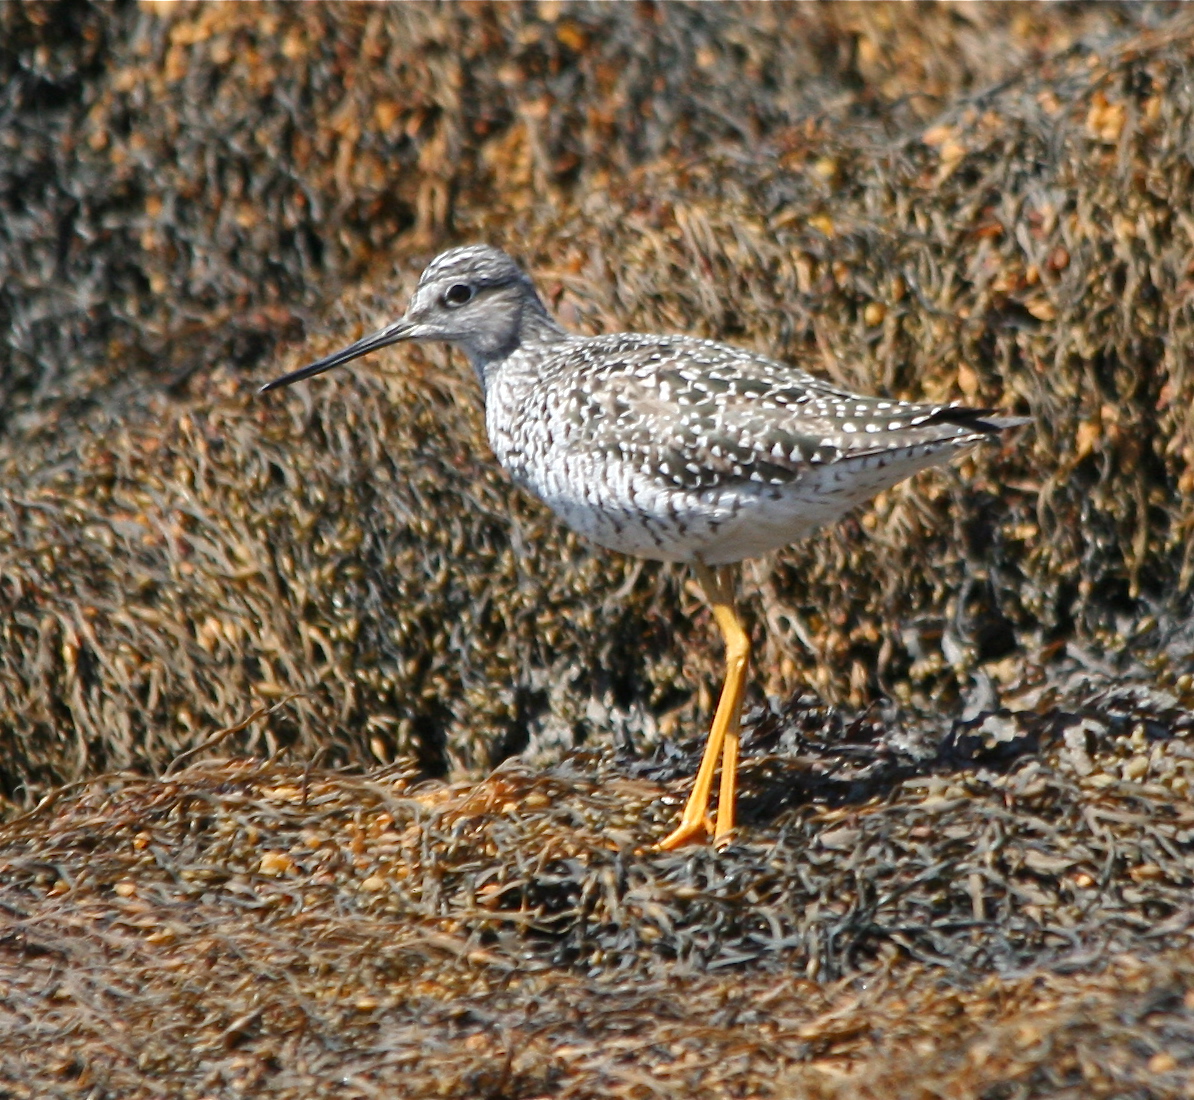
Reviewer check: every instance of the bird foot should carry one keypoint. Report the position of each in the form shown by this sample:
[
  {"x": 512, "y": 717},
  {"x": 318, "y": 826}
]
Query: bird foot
[{"x": 687, "y": 832}]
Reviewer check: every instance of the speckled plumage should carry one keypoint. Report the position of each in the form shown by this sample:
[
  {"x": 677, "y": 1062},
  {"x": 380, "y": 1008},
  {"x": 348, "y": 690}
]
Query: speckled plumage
[
  {"x": 681, "y": 449},
  {"x": 666, "y": 447}
]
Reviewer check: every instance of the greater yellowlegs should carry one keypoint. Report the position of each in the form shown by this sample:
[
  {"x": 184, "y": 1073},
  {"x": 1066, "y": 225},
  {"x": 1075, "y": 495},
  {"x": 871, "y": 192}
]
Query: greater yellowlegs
[{"x": 669, "y": 447}]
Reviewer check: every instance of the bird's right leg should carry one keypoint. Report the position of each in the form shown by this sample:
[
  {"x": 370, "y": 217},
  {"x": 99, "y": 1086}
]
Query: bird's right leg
[{"x": 723, "y": 736}]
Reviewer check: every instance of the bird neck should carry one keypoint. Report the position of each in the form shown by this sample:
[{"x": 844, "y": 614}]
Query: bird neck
[{"x": 535, "y": 327}]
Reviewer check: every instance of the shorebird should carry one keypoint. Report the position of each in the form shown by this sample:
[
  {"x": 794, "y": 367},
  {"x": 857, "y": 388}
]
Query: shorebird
[{"x": 669, "y": 447}]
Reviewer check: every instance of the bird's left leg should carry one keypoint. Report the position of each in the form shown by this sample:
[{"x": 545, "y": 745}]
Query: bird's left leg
[{"x": 723, "y": 736}]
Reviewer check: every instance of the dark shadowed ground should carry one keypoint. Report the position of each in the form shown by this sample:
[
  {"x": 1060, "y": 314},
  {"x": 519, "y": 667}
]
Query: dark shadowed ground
[{"x": 255, "y": 654}]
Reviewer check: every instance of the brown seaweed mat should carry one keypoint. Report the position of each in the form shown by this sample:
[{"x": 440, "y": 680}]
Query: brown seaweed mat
[
  {"x": 1001, "y": 912},
  {"x": 175, "y": 550},
  {"x": 969, "y": 876}
]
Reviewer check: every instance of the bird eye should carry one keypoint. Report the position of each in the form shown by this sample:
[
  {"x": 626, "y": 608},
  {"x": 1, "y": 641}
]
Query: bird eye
[{"x": 457, "y": 295}]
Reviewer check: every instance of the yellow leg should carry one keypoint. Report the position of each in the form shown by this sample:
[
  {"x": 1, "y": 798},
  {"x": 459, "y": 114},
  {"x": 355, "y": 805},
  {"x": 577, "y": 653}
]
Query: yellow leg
[
  {"x": 729, "y": 778},
  {"x": 723, "y": 737}
]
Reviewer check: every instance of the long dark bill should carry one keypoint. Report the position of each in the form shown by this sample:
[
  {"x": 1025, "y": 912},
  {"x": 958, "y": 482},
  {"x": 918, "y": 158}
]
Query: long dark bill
[{"x": 391, "y": 334}]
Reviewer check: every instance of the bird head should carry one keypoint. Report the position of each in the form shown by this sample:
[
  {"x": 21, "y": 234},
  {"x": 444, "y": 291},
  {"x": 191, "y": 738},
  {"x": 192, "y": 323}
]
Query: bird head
[{"x": 475, "y": 297}]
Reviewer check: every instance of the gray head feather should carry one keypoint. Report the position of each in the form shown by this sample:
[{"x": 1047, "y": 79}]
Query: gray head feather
[{"x": 478, "y": 298}]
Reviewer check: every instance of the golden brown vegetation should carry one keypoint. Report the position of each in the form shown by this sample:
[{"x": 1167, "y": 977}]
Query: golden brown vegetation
[
  {"x": 957, "y": 931},
  {"x": 988, "y": 202}
]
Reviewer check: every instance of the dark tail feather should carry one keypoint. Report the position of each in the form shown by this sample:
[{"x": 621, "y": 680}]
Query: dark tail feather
[{"x": 979, "y": 420}]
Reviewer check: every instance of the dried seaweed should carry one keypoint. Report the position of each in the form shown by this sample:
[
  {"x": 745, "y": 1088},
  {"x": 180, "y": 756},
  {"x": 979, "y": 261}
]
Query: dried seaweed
[
  {"x": 1019, "y": 919},
  {"x": 172, "y": 559},
  {"x": 966, "y": 847}
]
